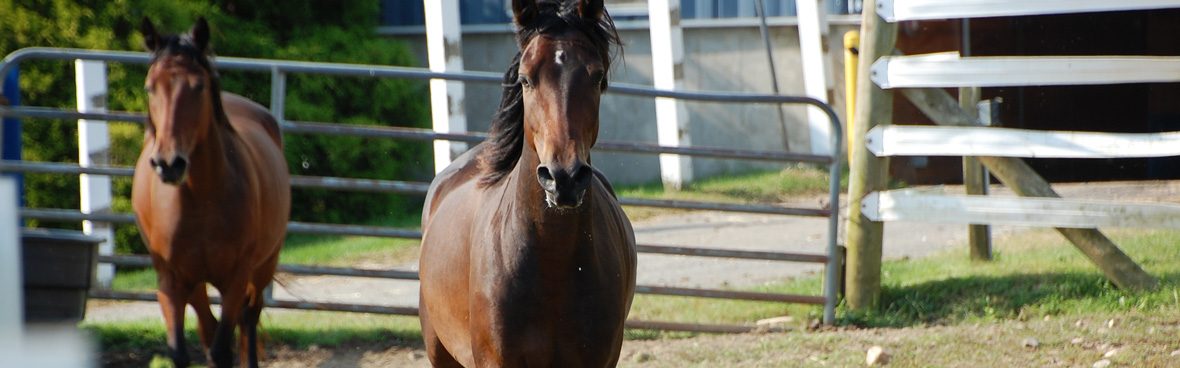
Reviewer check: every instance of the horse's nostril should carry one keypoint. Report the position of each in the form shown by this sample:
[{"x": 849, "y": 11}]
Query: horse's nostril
[
  {"x": 179, "y": 164},
  {"x": 546, "y": 179},
  {"x": 582, "y": 175}
]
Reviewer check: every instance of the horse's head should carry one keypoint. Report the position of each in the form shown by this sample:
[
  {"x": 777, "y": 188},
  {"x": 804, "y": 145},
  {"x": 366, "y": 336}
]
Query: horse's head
[
  {"x": 564, "y": 58},
  {"x": 181, "y": 87}
]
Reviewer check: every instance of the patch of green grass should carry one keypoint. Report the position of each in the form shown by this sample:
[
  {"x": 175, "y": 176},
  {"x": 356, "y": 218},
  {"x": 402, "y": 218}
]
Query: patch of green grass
[
  {"x": 790, "y": 184},
  {"x": 757, "y": 187},
  {"x": 1035, "y": 274},
  {"x": 142, "y": 340},
  {"x": 323, "y": 250}
]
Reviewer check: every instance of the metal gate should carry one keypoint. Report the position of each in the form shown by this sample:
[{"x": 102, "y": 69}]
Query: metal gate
[{"x": 280, "y": 68}]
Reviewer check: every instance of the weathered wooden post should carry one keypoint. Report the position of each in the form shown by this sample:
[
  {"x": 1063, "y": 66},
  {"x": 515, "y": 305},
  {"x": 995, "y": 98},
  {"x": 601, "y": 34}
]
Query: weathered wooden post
[
  {"x": 975, "y": 179},
  {"x": 867, "y": 172}
]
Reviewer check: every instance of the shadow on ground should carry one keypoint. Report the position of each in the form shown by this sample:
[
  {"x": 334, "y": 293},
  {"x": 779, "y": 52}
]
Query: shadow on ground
[{"x": 963, "y": 298}]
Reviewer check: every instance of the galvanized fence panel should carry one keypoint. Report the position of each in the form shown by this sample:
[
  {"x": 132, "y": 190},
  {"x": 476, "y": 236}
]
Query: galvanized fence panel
[{"x": 279, "y": 69}]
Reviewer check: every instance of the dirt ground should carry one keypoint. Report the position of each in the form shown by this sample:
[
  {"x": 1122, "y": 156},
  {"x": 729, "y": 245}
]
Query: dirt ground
[{"x": 920, "y": 346}]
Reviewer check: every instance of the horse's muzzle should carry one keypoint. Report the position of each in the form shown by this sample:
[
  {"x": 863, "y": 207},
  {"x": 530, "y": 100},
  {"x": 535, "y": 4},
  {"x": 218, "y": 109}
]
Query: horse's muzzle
[
  {"x": 564, "y": 187},
  {"x": 170, "y": 173}
]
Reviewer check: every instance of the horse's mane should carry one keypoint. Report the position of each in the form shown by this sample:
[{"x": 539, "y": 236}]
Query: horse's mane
[
  {"x": 183, "y": 45},
  {"x": 506, "y": 135}
]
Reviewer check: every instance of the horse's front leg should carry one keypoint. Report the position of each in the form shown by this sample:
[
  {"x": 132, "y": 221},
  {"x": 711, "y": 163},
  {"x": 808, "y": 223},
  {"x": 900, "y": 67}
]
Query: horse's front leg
[
  {"x": 233, "y": 297},
  {"x": 172, "y": 296},
  {"x": 206, "y": 323}
]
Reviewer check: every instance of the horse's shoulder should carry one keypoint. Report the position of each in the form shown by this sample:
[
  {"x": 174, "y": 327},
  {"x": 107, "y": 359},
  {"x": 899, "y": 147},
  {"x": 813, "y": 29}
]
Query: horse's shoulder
[
  {"x": 246, "y": 115},
  {"x": 463, "y": 169},
  {"x": 605, "y": 183}
]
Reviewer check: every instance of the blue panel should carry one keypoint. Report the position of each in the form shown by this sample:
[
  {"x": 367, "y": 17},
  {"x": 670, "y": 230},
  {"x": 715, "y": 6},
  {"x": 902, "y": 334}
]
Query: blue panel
[{"x": 12, "y": 128}]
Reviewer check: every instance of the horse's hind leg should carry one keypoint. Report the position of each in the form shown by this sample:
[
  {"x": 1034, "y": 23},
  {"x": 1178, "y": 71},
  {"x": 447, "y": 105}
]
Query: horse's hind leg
[
  {"x": 206, "y": 323},
  {"x": 250, "y": 347},
  {"x": 435, "y": 351},
  {"x": 172, "y": 302}
]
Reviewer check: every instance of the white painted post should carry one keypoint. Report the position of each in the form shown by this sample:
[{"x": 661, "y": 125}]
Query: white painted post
[
  {"x": 444, "y": 53},
  {"x": 11, "y": 295},
  {"x": 93, "y": 143},
  {"x": 817, "y": 75},
  {"x": 667, "y": 58}
]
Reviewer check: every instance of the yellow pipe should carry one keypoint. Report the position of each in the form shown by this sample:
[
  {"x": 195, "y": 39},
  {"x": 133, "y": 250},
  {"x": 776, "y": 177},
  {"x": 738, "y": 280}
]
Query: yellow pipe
[{"x": 851, "y": 49}]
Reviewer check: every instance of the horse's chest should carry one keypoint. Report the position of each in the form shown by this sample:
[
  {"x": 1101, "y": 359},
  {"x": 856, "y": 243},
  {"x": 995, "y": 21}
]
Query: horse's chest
[{"x": 541, "y": 305}]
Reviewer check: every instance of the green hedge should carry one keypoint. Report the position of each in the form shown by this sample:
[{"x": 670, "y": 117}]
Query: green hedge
[{"x": 335, "y": 31}]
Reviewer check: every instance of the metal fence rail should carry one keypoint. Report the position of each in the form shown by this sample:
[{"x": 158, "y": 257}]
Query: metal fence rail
[{"x": 278, "y": 71}]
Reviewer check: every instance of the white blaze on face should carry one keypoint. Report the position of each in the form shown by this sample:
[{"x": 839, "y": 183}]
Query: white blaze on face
[{"x": 560, "y": 57}]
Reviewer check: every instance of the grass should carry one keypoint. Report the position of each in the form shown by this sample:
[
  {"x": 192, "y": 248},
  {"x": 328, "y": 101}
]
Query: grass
[
  {"x": 1035, "y": 274},
  {"x": 323, "y": 250},
  {"x": 787, "y": 185},
  {"x": 140, "y": 342}
]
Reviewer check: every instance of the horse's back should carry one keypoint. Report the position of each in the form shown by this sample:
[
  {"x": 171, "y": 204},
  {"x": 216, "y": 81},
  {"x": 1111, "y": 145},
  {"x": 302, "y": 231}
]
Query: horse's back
[
  {"x": 263, "y": 160},
  {"x": 248, "y": 116}
]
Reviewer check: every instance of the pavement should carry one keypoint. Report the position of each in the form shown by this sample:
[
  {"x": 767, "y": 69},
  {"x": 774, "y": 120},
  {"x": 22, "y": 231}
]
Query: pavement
[{"x": 700, "y": 229}]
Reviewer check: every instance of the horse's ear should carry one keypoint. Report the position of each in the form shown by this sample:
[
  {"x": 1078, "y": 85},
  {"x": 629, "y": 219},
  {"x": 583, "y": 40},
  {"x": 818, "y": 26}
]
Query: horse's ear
[
  {"x": 200, "y": 34},
  {"x": 151, "y": 39},
  {"x": 590, "y": 9},
  {"x": 524, "y": 11}
]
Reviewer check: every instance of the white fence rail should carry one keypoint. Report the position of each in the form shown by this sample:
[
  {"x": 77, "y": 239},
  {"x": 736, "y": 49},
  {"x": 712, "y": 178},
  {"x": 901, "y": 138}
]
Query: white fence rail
[
  {"x": 941, "y": 70},
  {"x": 922, "y": 206},
  {"x": 909, "y": 140},
  {"x": 899, "y": 10}
]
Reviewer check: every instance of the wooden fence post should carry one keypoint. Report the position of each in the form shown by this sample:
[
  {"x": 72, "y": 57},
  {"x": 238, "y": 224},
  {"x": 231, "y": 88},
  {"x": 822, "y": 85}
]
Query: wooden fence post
[
  {"x": 1018, "y": 176},
  {"x": 975, "y": 179},
  {"x": 867, "y": 172}
]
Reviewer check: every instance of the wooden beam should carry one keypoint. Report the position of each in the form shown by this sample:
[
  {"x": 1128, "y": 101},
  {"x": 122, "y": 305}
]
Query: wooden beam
[
  {"x": 950, "y": 70},
  {"x": 867, "y": 172},
  {"x": 914, "y": 140},
  {"x": 1018, "y": 176},
  {"x": 899, "y": 10},
  {"x": 444, "y": 49},
  {"x": 817, "y": 70},
  {"x": 93, "y": 146},
  {"x": 667, "y": 58},
  {"x": 975, "y": 177},
  {"x": 934, "y": 207}
]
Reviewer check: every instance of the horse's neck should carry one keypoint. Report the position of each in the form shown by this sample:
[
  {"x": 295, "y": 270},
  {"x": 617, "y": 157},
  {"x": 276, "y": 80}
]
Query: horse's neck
[
  {"x": 211, "y": 163},
  {"x": 552, "y": 225}
]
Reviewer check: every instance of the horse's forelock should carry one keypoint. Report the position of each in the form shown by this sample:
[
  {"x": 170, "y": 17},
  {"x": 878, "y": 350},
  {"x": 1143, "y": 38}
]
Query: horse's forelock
[{"x": 506, "y": 138}]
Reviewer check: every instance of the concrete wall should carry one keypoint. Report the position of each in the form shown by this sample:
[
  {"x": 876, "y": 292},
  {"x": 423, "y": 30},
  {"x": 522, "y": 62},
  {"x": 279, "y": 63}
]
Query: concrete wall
[{"x": 730, "y": 58}]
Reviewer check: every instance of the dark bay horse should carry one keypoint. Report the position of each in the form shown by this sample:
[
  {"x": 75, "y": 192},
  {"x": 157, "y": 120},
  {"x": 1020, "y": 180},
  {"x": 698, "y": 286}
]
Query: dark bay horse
[
  {"x": 527, "y": 259},
  {"x": 212, "y": 196}
]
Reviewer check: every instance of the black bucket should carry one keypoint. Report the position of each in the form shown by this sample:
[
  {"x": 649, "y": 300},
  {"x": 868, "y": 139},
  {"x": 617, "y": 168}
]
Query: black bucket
[{"x": 58, "y": 267}]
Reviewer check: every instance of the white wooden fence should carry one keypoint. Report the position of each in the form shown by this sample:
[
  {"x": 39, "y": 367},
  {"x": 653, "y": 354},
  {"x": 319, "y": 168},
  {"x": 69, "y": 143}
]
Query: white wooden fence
[{"x": 950, "y": 70}]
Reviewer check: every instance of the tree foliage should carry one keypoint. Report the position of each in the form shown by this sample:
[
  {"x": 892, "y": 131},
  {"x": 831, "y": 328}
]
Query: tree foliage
[{"x": 332, "y": 31}]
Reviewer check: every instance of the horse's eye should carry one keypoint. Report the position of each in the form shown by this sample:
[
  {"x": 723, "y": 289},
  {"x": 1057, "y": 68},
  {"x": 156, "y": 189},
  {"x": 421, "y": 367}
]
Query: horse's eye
[
  {"x": 147, "y": 89},
  {"x": 199, "y": 86},
  {"x": 526, "y": 82},
  {"x": 599, "y": 77}
]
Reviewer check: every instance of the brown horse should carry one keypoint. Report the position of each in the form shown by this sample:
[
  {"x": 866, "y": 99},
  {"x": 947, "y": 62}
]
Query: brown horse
[
  {"x": 212, "y": 196},
  {"x": 527, "y": 258}
]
